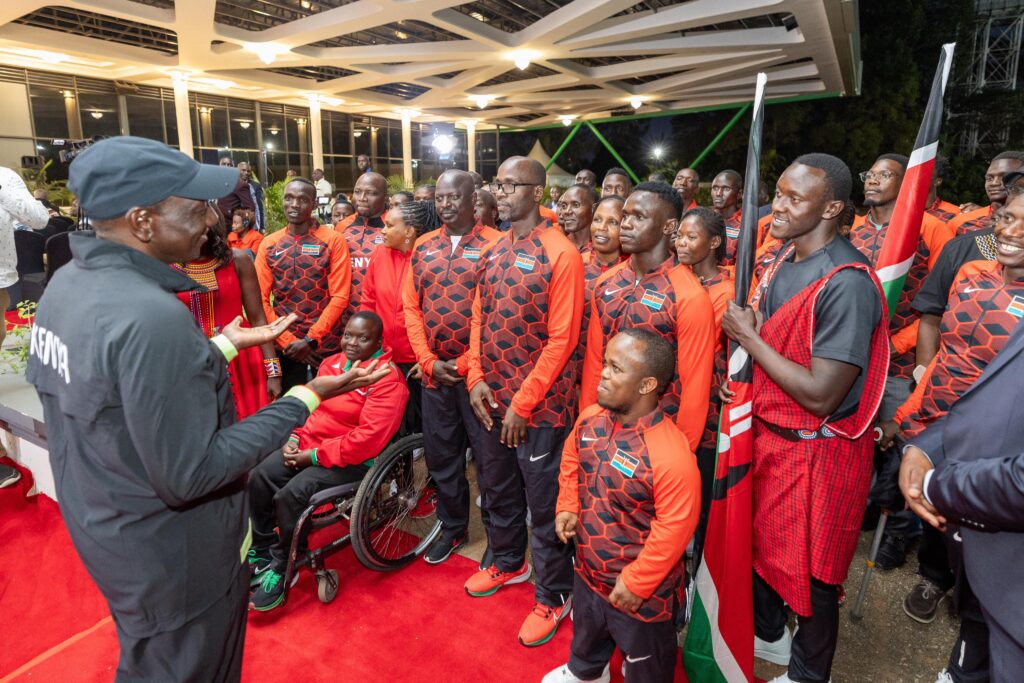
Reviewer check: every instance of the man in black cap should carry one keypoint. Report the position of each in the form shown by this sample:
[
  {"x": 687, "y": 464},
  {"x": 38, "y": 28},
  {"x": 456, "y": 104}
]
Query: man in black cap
[{"x": 148, "y": 463}]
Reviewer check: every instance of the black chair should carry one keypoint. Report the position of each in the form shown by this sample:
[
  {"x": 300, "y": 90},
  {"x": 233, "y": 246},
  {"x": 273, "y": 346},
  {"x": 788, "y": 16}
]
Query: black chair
[
  {"x": 58, "y": 253},
  {"x": 29, "y": 246}
]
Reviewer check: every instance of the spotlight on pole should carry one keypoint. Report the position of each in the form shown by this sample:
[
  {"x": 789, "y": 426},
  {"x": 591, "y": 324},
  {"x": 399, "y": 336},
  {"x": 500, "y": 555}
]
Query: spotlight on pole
[{"x": 657, "y": 152}]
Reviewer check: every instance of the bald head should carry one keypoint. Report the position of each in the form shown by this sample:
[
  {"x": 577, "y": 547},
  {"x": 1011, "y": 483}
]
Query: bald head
[
  {"x": 370, "y": 194},
  {"x": 455, "y": 200},
  {"x": 518, "y": 190},
  {"x": 526, "y": 169}
]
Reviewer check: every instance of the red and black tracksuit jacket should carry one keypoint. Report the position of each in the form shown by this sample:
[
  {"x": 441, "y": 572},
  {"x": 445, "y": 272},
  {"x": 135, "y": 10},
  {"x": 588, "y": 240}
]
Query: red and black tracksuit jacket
[
  {"x": 438, "y": 293},
  {"x": 636, "y": 490},
  {"x": 868, "y": 239},
  {"x": 969, "y": 221},
  {"x": 526, "y": 324},
  {"x": 362, "y": 235}
]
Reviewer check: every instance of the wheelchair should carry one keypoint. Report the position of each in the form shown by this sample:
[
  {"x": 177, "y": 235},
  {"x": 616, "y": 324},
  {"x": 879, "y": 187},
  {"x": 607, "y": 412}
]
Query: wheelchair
[{"x": 376, "y": 511}]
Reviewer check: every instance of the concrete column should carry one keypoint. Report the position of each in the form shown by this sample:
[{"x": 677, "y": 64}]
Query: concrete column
[
  {"x": 304, "y": 169},
  {"x": 73, "y": 117},
  {"x": 471, "y": 145},
  {"x": 182, "y": 114},
  {"x": 316, "y": 131},
  {"x": 122, "y": 115},
  {"x": 407, "y": 148}
]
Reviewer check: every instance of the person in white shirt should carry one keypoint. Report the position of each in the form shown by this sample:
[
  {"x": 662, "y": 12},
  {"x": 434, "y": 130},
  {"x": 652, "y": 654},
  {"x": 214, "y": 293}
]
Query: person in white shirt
[
  {"x": 17, "y": 205},
  {"x": 323, "y": 187}
]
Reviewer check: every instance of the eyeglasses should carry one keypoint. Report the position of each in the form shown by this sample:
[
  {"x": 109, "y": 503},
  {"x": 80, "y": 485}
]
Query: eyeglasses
[
  {"x": 509, "y": 188},
  {"x": 880, "y": 176}
]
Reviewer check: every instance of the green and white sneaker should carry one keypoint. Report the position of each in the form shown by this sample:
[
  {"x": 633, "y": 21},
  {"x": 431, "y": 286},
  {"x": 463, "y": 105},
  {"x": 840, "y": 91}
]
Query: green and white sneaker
[
  {"x": 269, "y": 592},
  {"x": 259, "y": 562}
]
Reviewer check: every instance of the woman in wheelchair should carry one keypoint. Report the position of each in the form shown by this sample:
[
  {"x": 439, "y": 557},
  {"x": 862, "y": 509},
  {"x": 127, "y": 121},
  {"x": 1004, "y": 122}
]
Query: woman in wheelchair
[{"x": 333, "y": 448}]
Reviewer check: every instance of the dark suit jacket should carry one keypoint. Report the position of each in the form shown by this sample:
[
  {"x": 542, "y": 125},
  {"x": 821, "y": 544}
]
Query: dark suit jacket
[{"x": 978, "y": 483}]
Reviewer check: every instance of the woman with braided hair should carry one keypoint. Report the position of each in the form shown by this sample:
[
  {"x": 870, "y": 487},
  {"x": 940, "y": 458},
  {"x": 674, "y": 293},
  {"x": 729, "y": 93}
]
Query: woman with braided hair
[
  {"x": 382, "y": 286},
  {"x": 232, "y": 288}
]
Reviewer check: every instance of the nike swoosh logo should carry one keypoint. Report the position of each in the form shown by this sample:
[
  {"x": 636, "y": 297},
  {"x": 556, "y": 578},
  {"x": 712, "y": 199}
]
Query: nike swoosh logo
[
  {"x": 535, "y": 458},
  {"x": 431, "y": 253},
  {"x": 588, "y": 438},
  {"x": 956, "y": 537},
  {"x": 278, "y": 253},
  {"x": 634, "y": 660},
  {"x": 611, "y": 291},
  {"x": 971, "y": 290}
]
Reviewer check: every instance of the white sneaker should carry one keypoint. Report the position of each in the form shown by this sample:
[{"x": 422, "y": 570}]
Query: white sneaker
[
  {"x": 944, "y": 677},
  {"x": 784, "y": 678},
  {"x": 563, "y": 675},
  {"x": 777, "y": 652}
]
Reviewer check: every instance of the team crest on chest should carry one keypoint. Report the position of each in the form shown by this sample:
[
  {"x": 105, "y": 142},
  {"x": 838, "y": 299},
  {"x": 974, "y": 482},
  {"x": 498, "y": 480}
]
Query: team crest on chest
[
  {"x": 1016, "y": 306},
  {"x": 310, "y": 249},
  {"x": 653, "y": 300},
  {"x": 525, "y": 262},
  {"x": 472, "y": 253},
  {"x": 732, "y": 233},
  {"x": 624, "y": 462}
]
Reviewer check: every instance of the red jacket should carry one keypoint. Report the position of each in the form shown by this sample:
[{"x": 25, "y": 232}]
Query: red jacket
[
  {"x": 355, "y": 427},
  {"x": 382, "y": 294}
]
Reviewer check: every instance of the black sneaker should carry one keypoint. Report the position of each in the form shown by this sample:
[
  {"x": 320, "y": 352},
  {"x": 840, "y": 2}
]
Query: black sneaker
[
  {"x": 892, "y": 553},
  {"x": 488, "y": 559},
  {"x": 8, "y": 476},
  {"x": 259, "y": 562},
  {"x": 441, "y": 549},
  {"x": 922, "y": 603},
  {"x": 269, "y": 593}
]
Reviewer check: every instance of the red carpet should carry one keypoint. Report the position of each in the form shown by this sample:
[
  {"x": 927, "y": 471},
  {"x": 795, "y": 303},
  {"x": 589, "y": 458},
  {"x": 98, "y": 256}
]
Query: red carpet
[{"x": 416, "y": 624}]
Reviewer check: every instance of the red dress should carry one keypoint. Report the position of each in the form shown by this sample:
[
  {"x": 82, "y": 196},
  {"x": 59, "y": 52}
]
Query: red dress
[{"x": 214, "y": 309}]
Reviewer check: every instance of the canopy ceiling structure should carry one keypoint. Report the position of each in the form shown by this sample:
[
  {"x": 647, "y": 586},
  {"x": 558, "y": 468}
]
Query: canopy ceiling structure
[{"x": 518, "y": 63}]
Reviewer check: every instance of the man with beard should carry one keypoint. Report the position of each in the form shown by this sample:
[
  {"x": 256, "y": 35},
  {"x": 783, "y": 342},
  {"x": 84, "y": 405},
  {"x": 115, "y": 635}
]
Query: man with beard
[
  {"x": 526, "y": 324},
  {"x": 437, "y": 297},
  {"x": 726, "y": 194},
  {"x": 881, "y": 188},
  {"x": 362, "y": 230},
  {"x": 575, "y": 211},
  {"x": 649, "y": 291},
  {"x": 304, "y": 269},
  {"x": 686, "y": 183},
  {"x": 980, "y": 217}
]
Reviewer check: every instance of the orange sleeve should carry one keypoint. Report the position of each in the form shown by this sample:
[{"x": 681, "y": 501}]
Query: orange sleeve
[
  {"x": 676, "y": 509},
  {"x": 935, "y": 234},
  {"x": 568, "y": 471},
  {"x": 475, "y": 370},
  {"x": 415, "y": 328},
  {"x": 905, "y": 339},
  {"x": 720, "y": 295},
  {"x": 339, "y": 284},
  {"x": 565, "y": 316},
  {"x": 593, "y": 359},
  {"x": 763, "y": 231},
  {"x": 912, "y": 405},
  {"x": 695, "y": 354},
  {"x": 368, "y": 293},
  {"x": 266, "y": 279},
  {"x": 956, "y": 221}
]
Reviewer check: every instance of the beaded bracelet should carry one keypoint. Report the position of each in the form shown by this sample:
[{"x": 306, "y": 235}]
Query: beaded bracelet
[{"x": 273, "y": 367}]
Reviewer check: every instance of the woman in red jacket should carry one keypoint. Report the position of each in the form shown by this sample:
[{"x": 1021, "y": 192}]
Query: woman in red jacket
[{"x": 382, "y": 286}]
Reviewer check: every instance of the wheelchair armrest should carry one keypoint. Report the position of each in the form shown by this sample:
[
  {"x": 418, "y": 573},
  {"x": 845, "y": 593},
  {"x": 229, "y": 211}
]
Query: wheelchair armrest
[{"x": 330, "y": 494}]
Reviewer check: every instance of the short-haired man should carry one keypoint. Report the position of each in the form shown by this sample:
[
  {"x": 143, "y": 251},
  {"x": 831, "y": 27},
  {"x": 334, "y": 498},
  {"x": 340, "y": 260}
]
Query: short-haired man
[
  {"x": 437, "y": 297},
  {"x": 650, "y": 291},
  {"x": 424, "y": 193},
  {"x": 485, "y": 210},
  {"x": 148, "y": 461},
  {"x": 256, "y": 194},
  {"x": 323, "y": 187},
  {"x": 726, "y": 194},
  {"x": 363, "y": 230},
  {"x": 304, "y": 269},
  {"x": 819, "y": 367},
  {"x": 575, "y": 208},
  {"x": 686, "y": 183},
  {"x": 331, "y": 449},
  {"x": 629, "y": 495},
  {"x": 363, "y": 164},
  {"x": 226, "y": 162},
  {"x": 239, "y": 198},
  {"x": 586, "y": 177},
  {"x": 478, "y": 180},
  {"x": 981, "y": 217},
  {"x": 616, "y": 182},
  {"x": 525, "y": 327},
  {"x": 555, "y": 191},
  {"x": 881, "y": 188}
]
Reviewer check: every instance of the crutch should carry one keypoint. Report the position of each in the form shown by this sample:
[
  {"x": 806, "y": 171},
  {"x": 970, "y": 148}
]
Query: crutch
[{"x": 857, "y": 613}]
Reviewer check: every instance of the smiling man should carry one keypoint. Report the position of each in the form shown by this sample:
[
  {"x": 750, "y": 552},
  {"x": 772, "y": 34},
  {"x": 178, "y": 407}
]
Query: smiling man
[
  {"x": 629, "y": 495},
  {"x": 362, "y": 230},
  {"x": 525, "y": 327},
  {"x": 819, "y": 367},
  {"x": 148, "y": 461},
  {"x": 304, "y": 269},
  {"x": 575, "y": 209},
  {"x": 651, "y": 292}
]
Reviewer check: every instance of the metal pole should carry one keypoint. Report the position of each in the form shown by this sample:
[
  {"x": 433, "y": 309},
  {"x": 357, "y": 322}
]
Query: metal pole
[
  {"x": 561, "y": 148},
  {"x": 721, "y": 134},
  {"x": 622, "y": 162},
  {"x": 857, "y": 613}
]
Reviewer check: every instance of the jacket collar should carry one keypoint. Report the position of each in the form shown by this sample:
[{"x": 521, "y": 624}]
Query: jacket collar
[{"x": 92, "y": 253}]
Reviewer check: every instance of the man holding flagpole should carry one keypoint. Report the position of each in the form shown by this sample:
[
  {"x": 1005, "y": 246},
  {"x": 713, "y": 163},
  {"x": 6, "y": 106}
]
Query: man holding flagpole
[{"x": 820, "y": 352}]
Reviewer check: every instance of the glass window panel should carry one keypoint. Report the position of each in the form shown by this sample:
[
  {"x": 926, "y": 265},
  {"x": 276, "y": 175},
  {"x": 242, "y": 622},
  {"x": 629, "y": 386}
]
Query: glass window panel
[
  {"x": 99, "y": 114},
  {"x": 339, "y": 134},
  {"x": 48, "y": 113},
  {"x": 273, "y": 129},
  {"x": 145, "y": 117},
  {"x": 243, "y": 130},
  {"x": 171, "y": 121},
  {"x": 325, "y": 134}
]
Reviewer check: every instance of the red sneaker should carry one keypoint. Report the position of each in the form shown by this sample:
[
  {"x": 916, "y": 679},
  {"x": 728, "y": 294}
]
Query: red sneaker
[
  {"x": 542, "y": 623},
  {"x": 426, "y": 505},
  {"x": 488, "y": 581}
]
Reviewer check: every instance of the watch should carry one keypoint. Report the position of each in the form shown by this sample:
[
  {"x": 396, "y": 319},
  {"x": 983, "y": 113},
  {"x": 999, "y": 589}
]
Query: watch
[{"x": 312, "y": 342}]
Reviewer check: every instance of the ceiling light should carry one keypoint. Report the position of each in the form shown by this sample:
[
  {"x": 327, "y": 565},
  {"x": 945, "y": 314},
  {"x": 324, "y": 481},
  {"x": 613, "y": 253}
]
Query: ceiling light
[
  {"x": 481, "y": 101},
  {"x": 444, "y": 144},
  {"x": 267, "y": 52},
  {"x": 401, "y": 35},
  {"x": 523, "y": 58},
  {"x": 478, "y": 16},
  {"x": 68, "y": 95},
  {"x": 40, "y": 148},
  {"x": 245, "y": 124},
  {"x": 636, "y": 102},
  {"x": 566, "y": 119},
  {"x": 306, "y": 4},
  {"x": 219, "y": 83},
  {"x": 333, "y": 101},
  {"x": 96, "y": 114},
  {"x": 357, "y": 133}
]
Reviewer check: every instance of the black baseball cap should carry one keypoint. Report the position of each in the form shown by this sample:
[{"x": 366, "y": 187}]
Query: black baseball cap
[{"x": 118, "y": 173}]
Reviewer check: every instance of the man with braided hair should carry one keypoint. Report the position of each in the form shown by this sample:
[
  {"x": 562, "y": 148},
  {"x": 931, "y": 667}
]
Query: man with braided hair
[
  {"x": 820, "y": 351},
  {"x": 651, "y": 292}
]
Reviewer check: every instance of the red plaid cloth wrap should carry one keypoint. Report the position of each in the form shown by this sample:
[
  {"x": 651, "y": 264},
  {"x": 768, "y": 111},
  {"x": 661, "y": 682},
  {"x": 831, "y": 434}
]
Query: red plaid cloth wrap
[{"x": 809, "y": 494}]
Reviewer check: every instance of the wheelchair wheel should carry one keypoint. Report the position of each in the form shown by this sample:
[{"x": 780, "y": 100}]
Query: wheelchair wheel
[
  {"x": 384, "y": 534},
  {"x": 327, "y": 585}
]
